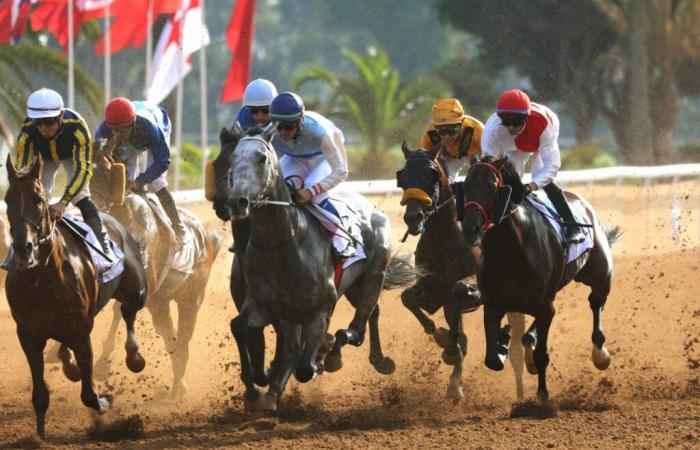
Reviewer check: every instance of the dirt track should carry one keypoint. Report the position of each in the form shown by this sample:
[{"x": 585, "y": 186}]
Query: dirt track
[{"x": 649, "y": 397}]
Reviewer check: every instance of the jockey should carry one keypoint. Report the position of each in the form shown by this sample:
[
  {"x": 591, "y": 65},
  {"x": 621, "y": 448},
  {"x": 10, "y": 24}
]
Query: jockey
[
  {"x": 62, "y": 138},
  {"x": 458, "y": 135},
  {"x": 135, "y": 127},
  {"x": 256, "y": 106},
  {"x": 520, "y": 129},
  {"x": 311, "y": 148}
]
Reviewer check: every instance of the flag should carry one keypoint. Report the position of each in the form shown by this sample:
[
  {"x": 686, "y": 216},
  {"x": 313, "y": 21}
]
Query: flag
[
  {"x": 239, "y": 37},
  {"x": 52, "y": 15},
  {"x": 130, "y": 24},
  {"x": 171, "y": 63},
  {"x": 13, "y": 20}
]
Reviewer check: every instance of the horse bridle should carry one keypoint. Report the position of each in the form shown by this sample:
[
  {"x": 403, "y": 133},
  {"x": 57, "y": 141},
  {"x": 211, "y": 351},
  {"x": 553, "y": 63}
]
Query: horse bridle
[{"x": 486, "y": 214}]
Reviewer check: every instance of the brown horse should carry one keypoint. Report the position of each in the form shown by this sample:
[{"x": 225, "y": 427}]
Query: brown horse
[
  {"x": 5, "y": 242},
  {"x": 524, "y": 264},
  {"x": 156, "y": 243},
  {"x": 54, "y": 292},
  {"x": 444, "y": 259}
]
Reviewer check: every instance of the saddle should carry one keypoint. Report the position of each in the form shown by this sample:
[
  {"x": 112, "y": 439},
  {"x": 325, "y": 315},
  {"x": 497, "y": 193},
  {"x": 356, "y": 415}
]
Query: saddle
[{"x": 104, "y": 270}]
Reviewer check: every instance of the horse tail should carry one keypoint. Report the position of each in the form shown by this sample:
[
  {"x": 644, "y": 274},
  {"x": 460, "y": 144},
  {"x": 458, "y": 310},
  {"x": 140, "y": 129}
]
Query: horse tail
[
  {"x": 400, "y": 272},
  {"x": 613, "y": 234}
]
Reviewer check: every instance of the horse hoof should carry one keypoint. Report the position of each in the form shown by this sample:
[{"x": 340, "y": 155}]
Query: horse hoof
[
  {"x": 455, "y": 393},
  {"x": 333, "y": 362},
  {"x": 135, "y": 362},
  {"x": 306, "y": 374},
  {"x": 450, "y": 356},
  {"x": 104, "y": 403},
  {"x": 384, "y": 366},
  {"x": 442, "y": 337},
  {"x": 253, "y": 403},
  {"x": 601, "y": 358},
  {"x": 494, "y": 363},
  {"x": 530, "y": 361},
  {"x": 341, "y": 338},
  {"x": 178, "y": 391},
  {"x": 270, "y": 404},
  {"x": 72, "y": 372},
  {"x": 542, "y": 396}
]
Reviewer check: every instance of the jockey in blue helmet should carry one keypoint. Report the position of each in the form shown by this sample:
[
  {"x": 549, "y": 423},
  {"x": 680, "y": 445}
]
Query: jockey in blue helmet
[
  {"x": 311, "y": 149},
  {"x": 256, "y": 106}
]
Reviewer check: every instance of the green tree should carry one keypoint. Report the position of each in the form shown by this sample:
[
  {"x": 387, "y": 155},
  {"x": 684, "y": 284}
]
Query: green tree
[{"x": 375, "y": 102}]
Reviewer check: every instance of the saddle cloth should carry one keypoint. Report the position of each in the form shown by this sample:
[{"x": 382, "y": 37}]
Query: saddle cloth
[
  {"x": 183, "y": 259},
  {"x": 539, "y": 200},
  {"x": 345, "y": 230},
  {"x": 105, "y": 272}
]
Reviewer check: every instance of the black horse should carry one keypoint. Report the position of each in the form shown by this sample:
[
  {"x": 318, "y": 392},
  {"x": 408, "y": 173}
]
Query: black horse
[
  {"x": 443, "y": 259},
  {"x": 523, "y": 263},
  {"x": 290, "y": 273}
]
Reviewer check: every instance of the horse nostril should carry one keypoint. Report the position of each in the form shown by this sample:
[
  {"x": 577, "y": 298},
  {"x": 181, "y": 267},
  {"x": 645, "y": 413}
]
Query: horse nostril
[
  {"x": 242, "y": 203},
  {"x": 28, "y": 247}
]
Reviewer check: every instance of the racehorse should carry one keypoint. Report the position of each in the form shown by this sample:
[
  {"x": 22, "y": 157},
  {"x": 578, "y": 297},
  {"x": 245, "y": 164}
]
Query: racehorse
[
  {"x": 524, "y": 264},
  {"x": 291, "y": 272},
  {"x": 156, "y": 244},
  {"x": 5, "y": 242},
  {"x": 444, "y": 259},
  {"x": 54, "y": 292}
]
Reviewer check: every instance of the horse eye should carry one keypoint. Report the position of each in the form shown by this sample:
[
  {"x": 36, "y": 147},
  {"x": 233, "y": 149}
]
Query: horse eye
[{"x": 262, "y": 159}]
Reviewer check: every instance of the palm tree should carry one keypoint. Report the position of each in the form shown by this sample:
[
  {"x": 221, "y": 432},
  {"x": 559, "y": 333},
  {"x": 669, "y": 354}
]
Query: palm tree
[
  {"x": 375, "y": 102},
  {"x": 21, "y": 65}
]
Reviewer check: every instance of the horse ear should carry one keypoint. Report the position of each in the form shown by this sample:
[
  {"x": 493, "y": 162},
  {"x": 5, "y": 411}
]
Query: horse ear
[
  {"x": 406, "y": 151},
  {"x": 38, "y": 168},
  {"x": 432, "y": 153},
  {"x": 268, "y": 131},
  {"x": 11, "y": 170},
  {"x": 226, "y": 136},
  {"x": 499, "y": 162}
]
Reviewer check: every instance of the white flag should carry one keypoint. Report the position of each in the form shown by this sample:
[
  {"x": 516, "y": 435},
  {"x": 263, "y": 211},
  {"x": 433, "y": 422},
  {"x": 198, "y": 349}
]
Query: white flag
[{"x": 168, "y": 70}]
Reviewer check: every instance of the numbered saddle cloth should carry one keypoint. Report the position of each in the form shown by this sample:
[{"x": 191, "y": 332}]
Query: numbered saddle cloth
[
  {"x": 105, "y": 271},
  {"x": 539, "y": 200}
]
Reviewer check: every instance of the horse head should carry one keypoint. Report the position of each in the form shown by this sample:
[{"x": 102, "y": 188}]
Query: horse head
[
  {"x": 420, "y": 179},
  {"x": 254, "y": 173},
  {"x": 27, "y": 212},
  {"x": 222, "y": 163},
  {"x": 490, "y": 187}
]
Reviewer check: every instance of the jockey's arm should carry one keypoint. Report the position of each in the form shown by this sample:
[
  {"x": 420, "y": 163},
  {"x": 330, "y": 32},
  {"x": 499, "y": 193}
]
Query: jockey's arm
[
  {"x": 160, "y": 151},
  {"x": 550, "y": 158},
  {"x": 334, "y": 152},
  {"x": 489, "y": 138},
  {"x": 23, "y": 150},
  {"x": 82, "y": 163}
]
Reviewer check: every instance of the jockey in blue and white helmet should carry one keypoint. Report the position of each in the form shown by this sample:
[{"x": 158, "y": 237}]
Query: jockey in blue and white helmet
[{"x": 256, "y": 106}]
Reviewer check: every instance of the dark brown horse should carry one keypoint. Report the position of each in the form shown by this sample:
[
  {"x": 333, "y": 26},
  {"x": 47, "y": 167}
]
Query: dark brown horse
[
  {"x": 524, "y": 264},
  {"x": 444, "y": 259},
  {"x": 156, "y": 244},
  {"x": 5, "y": 242},
  {"x": 54, "y": 292}
]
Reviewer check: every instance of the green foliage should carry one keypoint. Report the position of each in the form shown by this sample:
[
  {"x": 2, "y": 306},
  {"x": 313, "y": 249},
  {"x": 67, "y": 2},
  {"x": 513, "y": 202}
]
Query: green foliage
[
  {"x": 472, "y": 83},
  {"x": 190, "y": 166},
  {"x": 587, "y": 155},
  {"x": 392, "y": 158},
  {"x": 688, "y": 152}
]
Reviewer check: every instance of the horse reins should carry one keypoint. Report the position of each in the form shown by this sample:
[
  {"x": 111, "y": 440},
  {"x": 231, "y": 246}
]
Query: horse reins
[{"x": 487, "y": 215}]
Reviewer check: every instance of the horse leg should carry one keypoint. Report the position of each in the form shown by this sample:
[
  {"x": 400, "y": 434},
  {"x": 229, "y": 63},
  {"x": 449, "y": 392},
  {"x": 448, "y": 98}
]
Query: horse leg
[
  {"x": 83, "y": 355},
  {"x": 410, "y": 299},
  {"x": 292, "y": 349},
  {"x": 383, "y": 364},
  {"x": 134, "y": 360},
  {"x": 159, "y": 307},
  {"x": 240, "y": 328},
  {"x": 34, "y": 351},
  {"x": 70, "y": 370},
  {"x": 541, "y": 355},
  {"x": 187, "y": 318},
  {"x": 515, "y": 350},
  {"x": 529, "y": 341},
  {"x": 600, "y": 355},
  {"x": 496, "y": 352},
  {"x": 277, "y": 359},
  {"x": 102, "y": 365},
  {"x": 313, "y": 331},
  {"x": 454, "y": 352}
]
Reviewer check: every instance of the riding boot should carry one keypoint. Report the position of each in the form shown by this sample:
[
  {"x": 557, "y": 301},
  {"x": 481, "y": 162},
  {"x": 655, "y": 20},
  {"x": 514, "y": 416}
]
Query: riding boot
[
  {"x": 573, "y": 234},
  {"x": 349, "y": 250},
  {"x": 91, "y": 216},
  {"x": 168, "y": 202}
]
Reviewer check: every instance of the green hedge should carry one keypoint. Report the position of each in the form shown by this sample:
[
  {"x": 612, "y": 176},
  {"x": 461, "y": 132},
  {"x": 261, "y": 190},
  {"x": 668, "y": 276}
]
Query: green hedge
[{"x": 588, "y": 155}]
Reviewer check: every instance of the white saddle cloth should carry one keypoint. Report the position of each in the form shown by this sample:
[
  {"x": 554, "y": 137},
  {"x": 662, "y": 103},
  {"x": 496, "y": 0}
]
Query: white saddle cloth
[{"x": 105, "y": 272}]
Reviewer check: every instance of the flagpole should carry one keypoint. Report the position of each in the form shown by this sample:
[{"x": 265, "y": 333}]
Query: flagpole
[
  {"x": 71, "y": 56},
  {"x": 108, "y": 57},
  {"x": 203, "y": 97},
  {"x": 149, "y": 45},
  {"x": 178, "y": 110}
]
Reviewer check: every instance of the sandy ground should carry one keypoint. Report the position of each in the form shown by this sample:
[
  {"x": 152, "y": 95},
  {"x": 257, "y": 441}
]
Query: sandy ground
[{"x": 648, "y": 398}]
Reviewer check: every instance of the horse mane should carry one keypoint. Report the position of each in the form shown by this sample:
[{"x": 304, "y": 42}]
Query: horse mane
[{"x": 510, "y": 177}]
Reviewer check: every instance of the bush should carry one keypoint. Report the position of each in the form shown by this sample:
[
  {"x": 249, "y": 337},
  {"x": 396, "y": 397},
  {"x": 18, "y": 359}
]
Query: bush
[
  {"x": 688, "y": 152},
  {"x": 587, "y": 155},
  {"x": 390, "y": 160},
  {"x": 190, "y": 166}
]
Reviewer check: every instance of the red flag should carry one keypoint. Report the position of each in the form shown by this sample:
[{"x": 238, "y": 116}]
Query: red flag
[
  {"x": 13, "y": 20},
  {"x": 52, "y": 15},
  {"x": 239, "y": 37},
  {"x": 130, "y": 25}
]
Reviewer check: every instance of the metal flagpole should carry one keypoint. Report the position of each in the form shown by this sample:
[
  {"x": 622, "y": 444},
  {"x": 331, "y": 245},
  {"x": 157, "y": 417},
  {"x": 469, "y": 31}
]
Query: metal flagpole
[
  {"x": 108, "y": 57},
  {"x": 178, "y": 110},
  {"x": 71, "y": 56},
  {"x": 203, "y": 97},
  {"x": 149, "y": 45}
]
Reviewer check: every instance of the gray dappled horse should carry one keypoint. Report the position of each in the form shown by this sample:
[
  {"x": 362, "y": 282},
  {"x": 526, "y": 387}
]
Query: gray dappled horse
[
  {"x": 289, "y": 267},
  {"x": 156, "y": 245}
]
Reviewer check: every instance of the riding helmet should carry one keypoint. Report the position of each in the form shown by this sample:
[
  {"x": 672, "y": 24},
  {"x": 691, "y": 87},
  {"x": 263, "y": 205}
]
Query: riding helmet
[{"x": 287, "y": 106}]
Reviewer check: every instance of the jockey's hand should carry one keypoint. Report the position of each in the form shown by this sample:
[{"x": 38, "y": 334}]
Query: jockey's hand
[
  {"x": 303, "y": 195},
  {"x": 56, "y": 210},
  {"x": 135, "y": 186},
  {"x": 530, "y": 187}
]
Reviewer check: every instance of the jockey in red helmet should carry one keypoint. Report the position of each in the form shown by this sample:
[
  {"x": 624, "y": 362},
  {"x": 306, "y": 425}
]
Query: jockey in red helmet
[{"x": 520, "y": 129}]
